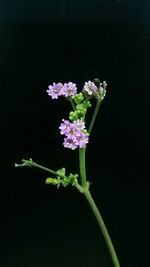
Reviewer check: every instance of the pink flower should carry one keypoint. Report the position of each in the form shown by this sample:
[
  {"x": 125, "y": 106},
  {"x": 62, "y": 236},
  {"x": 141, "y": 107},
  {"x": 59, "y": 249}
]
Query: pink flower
[
  {"x": 69, "y": 89},
  {"x": 69, "y": 143},
  {"x": 59, "y": 89},
  {"x": 98, "y": 89},
  {"x": 55, "y": 90},
  {"x": 75, "y": 134},
  {"x": 90, "y": 88}
]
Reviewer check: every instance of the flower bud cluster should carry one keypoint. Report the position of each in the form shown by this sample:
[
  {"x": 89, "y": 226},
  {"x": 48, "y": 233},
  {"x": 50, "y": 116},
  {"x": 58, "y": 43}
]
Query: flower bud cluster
[
  {"x": 62, "y": 179},
  {"x": 81, "y": 107}
]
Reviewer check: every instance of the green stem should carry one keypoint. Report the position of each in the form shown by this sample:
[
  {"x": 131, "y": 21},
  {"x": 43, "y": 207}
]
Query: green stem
[
  {"x": 30, "y": 163},
  {"x": 44, "y": 168},
  {"x": 103, "y": 228},
  {"x": 94, "y": 116},
  {"x": 82, "y": 166},
  {"x": 72, "y": 104},
  {"x": 94, "y": 208}
]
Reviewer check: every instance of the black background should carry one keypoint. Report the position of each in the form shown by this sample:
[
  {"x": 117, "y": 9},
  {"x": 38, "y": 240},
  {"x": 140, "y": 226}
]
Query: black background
[{"x": 45, "y": 41}]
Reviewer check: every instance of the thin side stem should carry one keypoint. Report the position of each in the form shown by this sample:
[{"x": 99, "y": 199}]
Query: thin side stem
[
  {"x": 94, "y": 116},
  {"x": 30, "y": 163},
  {"x": 103, "y": 228},
  {"x": 72, "y": 104},
  {"x": 43, "y": 168}
]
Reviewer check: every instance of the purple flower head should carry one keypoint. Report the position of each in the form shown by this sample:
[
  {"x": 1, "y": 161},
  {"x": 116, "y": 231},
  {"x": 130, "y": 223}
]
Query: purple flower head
[
  {"x": 59, "y": 89},
  {"x": 90, "y": 88},
  {"x": 80, "y": 124},
  {"x": 55, "y": 90},
  {"x": 64, "y": 127},
  {"x": 69, "y": 143},
  {"x": 75, "y": 134},
  {"x": 81, "y": 139},
  {"x": 69, "y": 89}
]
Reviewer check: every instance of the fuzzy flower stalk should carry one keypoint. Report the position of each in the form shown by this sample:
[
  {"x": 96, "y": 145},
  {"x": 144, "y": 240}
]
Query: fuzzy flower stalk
[{"x": 76, "y": 131}]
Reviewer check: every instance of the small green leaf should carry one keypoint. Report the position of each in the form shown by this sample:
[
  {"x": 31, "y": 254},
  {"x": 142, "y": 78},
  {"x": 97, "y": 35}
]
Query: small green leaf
[{"x": 61, "y": 172}]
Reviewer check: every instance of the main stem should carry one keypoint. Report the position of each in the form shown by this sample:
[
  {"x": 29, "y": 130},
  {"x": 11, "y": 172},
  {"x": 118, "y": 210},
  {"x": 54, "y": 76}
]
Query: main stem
[
  {"x": 82, "y": 166},
  {"x": 103, "y": 228},
  {"x": 95, "y": 210}
]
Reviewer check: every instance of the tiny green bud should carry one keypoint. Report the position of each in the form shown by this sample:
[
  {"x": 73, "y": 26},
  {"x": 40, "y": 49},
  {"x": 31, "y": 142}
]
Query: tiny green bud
[
  {"x": 52, "y": 181},
  {"x": 73, "y": 178},
  {"x": 73, "y": 115},
  {"x": 87, "y": 104},
  {"x": 81, "y": 113},
  {"x": 78, "y": 98}
]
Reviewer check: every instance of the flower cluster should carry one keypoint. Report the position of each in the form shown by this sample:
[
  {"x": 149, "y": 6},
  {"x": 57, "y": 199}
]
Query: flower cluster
[
  {"x": 95, "y": 88},
  {"x": 75, "y": 134},
  {"x": 59, "y": 89},
  {"x": 90, "y": 88}
]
